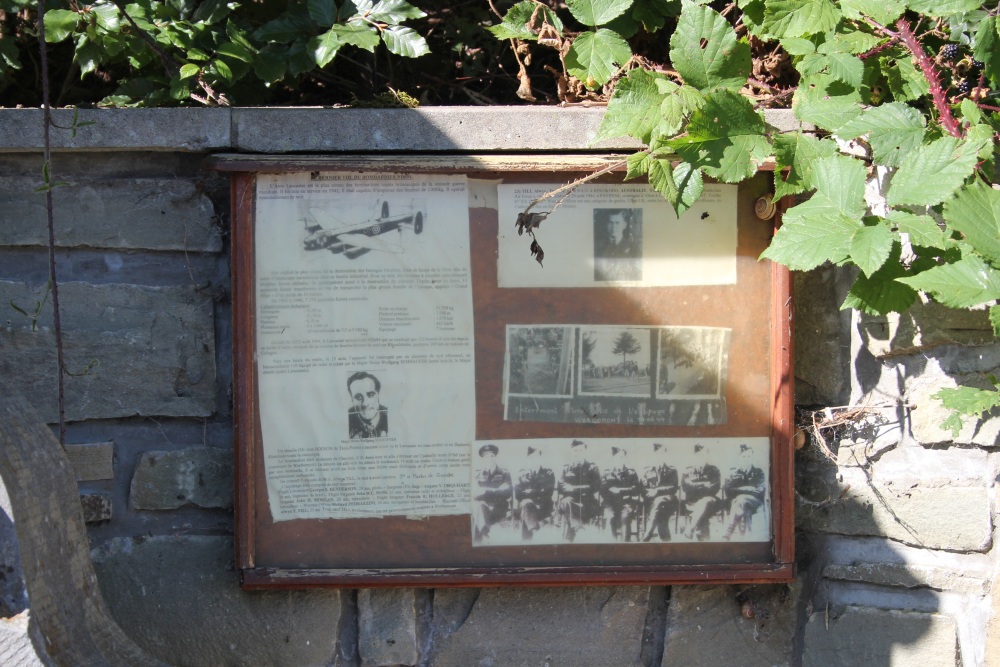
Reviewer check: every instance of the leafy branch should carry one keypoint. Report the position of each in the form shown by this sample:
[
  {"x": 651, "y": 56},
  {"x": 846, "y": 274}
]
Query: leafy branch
[{"x": 917, "y": 100}]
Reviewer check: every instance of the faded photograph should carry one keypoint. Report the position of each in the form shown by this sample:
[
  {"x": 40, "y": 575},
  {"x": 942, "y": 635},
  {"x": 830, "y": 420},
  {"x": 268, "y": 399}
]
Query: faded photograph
[
  {"x": 367, "y": 417},
  {"x": 539, "y": 361},
  {"x": 620, "y": 491},
  {"x": 692, "y": 362},
  {"x": 328, "y": 227},
  {"x": 617, "y": 244},
  {"x": 615, "y": 361}
]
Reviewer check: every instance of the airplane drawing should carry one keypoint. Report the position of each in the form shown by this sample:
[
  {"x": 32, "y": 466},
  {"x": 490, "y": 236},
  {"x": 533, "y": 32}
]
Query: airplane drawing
[{"x": 327, "y": 233}]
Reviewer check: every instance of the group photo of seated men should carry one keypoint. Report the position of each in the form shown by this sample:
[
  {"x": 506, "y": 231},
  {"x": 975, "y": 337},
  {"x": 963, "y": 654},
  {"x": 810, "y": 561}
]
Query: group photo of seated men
[{"x": 551, "y": 492}]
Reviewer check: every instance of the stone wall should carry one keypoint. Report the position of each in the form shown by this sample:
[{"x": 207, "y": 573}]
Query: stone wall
[{"x": 895, "y": 517}]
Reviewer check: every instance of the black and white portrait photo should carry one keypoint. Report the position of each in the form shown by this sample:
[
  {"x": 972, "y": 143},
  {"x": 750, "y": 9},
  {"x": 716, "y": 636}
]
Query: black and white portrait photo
[
  {"x": 367, "y": 417},
  {"x": 539, "y": 361},
  {"x": 617, "y": 244}
]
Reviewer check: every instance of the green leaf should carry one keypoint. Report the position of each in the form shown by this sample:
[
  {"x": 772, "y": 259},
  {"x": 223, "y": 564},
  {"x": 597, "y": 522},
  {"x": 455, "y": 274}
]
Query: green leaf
[
  {"x": 681, "y": 186},
  {"x": 597, "y": 12},
  {"x": 894, "y": 130},
  {"x": 906, "y": 82},
  {"x": 322, "y": 12},
  {"x": 975, "y": 213},
  {"x": 942, "y": 7},
  {"x": 107, "y": 16},
  {"x": 797, "y": 152},
  {"x": 324, "y": 47},
  {"x": 845, "y": 67},
  {"x": 9, "y": 54},
  {"x": 826, "y": 102},
  {"x": 799, "y": 18},
  {"x": 637, "y": 165},
  {"x": 269, "y": 67},
  {"x": 88, "y": 55},
  {"x": 821, "y": 229},
  {"x": 931, "y": 173},
  {"x": 394, "y": 11},
  {"x": 516, "y": 21},
  {"x": 235, "y": 51},
  {"x": 179, "y": 90},
  {"x": 285, "y": 28},
  {"x": 870, "y": 247},
  {"x": 597, "y": 55},
  {"x": 705, "y": 51},
  {"x": 223, "y": 70},
  {"x": 798, "y": 46},
  {"x": 883, "y": 11},
  {"x": 726, "y": 138},
  {"x": 880, "y": 293},
  {"x": 624, "y": 25},
  {"x": 995, "y": 319},
  {"x": 357, "y": 34},
  {"x": 968, "y": 401},
  {"x": 987, "y": 48},
  {"x": 213, "y": 11},
  {"x": 634, "y": 109},
  {"x": 963, "y": 284},
  {"x": 189, "y": 70},
  {"x": 922, "y": 229},
  {"x": 404, "y": 42},
  {"x": 60, "y": 24}
]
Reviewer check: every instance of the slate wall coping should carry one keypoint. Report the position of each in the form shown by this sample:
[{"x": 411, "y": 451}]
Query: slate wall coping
[{"x": 312, "y": 129}]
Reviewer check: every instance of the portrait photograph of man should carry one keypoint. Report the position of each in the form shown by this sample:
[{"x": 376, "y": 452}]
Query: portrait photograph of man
[
  {"x": 617, "y": 244},
  {"x": 367, "y": 417}
]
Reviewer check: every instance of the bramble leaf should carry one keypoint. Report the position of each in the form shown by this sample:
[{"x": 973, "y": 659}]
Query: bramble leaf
[
  {"x": 726, "y": 138},
  {"x": 995, "y": 320},
  {"x": 797, "y": 152},
  {"x": 931, "y": 173},
  {"x": 894, "y": 130},
  {"x": 821, "y": 228},
  {"x": 705, "y": 51},
  {"x": 828, "y": 103},
  {"x": 799, "y": 18},
  {"x": 975, "y": 213},
  {"x": 681, "y": 185},
  {"x": 881, "y": 293},
  {"x": 962, "y": 284},
  {"x": 870, "y": 247},
  {"x": 942, "y": 7},
  {"x": 922, "y": 229}
]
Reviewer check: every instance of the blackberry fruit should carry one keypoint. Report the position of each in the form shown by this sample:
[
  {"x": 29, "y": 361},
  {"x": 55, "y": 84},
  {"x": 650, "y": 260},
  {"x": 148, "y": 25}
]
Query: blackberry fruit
[
  {"x": 950, "y": 52},
  {"x": 977, "y": 66},
  {"x": 965, "y": 86}
]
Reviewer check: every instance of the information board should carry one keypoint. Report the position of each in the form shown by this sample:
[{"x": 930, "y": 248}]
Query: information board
[{"x": 421, "y": 402}]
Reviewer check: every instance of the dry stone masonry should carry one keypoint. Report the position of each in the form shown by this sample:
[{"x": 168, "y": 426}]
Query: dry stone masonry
[{"x": 896, "y": 518}]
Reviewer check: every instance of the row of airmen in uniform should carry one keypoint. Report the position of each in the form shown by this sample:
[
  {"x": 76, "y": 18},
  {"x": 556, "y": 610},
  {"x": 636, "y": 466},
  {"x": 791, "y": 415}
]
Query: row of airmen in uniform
[{"x": 584, "y": 496}]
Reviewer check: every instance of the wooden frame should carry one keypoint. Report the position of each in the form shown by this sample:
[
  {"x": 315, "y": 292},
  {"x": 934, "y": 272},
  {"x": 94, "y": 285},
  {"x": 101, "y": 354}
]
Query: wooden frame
[{"x": 262, "y": 544}]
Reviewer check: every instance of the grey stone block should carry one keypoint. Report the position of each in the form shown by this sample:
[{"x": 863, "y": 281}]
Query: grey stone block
[
  {"x": 179, "y": 598},
  {"x": 16, "y": 648},
  {"x": 153, "y": 350},
  {"x": 860, "y": 636},
  {"x": 387, "y": 627},
  {"x": 128, "y": 213},
  {"x": 92, "y": 461},
  {"x": 929, "y": 413},
  {"x": 582, "y": 627},
  {"x": 198, "y": 476},
  {"x": 909, "y": 576},
  {"x": 929, "y": 516},
  {"x": 181, "y": 130},
  {"x": 96, "y": 507},
  {"x": 706, "y": 625},
  {"x": 923, "y": 326},
  {"x": 822, "y": 349}
]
